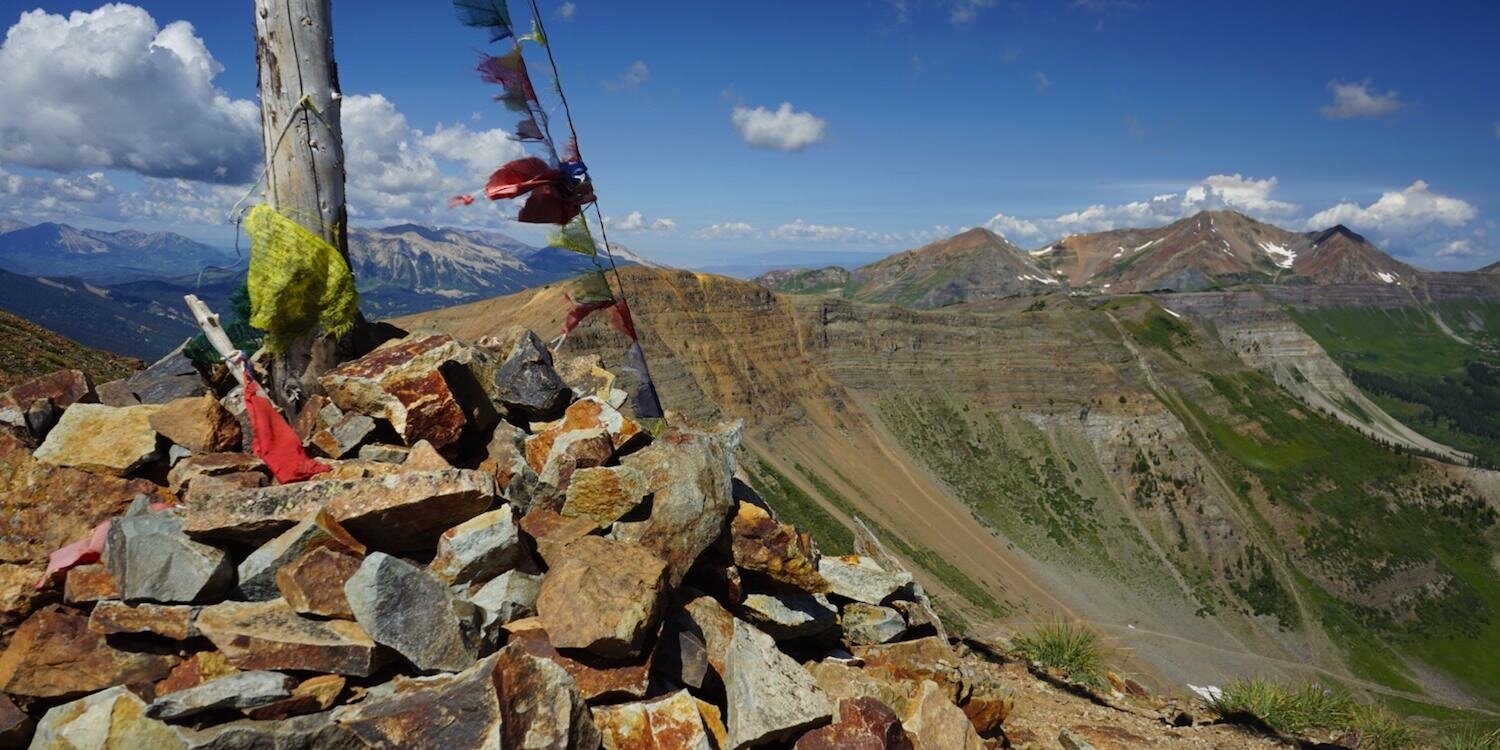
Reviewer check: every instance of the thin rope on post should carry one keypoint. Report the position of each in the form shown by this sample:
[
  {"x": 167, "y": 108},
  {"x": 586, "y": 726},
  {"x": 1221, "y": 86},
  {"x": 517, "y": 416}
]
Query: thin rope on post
[{"x": 541, "y": 27}]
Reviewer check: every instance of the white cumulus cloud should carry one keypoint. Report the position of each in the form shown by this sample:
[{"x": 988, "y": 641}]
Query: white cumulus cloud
[
  {"x": 1400, "y": 213},
  {"x": 110, "y": 89},
  {"x": 1237, "y": 192},
  {"x": 728, "y": 230},
  {"x": 1458, "y": 249},
  {"x": 398, "y": 172},
  {"x": 783, "y": 129},
  {"x": 1358, "y": 100},
  {"x": 635, "y": 221}
]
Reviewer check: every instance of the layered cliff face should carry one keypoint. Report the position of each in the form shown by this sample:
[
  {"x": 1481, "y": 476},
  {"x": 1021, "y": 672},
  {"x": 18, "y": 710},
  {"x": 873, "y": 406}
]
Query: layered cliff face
[{"x": 1183, "y": 472}]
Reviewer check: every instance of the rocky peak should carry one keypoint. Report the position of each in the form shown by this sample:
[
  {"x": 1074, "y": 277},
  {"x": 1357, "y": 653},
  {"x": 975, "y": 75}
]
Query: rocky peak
[{"x": 1338, "y": 231}]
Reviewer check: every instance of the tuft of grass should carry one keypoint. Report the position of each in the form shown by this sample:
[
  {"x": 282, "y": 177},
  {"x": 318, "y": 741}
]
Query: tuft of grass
[
  {"x": 1071, "y": 649},
  {"x": 1285, "y": 710},
  {"x": 1472, "y": 738},
  {"x": 1379, "y": 729}
]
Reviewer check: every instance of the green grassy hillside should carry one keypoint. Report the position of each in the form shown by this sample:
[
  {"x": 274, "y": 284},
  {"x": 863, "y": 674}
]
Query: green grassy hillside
[{"x": 1443, "y": 383}]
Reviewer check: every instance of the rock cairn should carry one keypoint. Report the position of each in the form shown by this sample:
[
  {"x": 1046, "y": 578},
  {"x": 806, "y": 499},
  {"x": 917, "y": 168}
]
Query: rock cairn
[{"x": 500, "y": 557}]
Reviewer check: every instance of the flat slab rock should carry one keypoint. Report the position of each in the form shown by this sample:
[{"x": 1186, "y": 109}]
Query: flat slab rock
[
  {"x": 397, "y": 512},
  {"x": 239, "y": 691},
  {"x": 269, "y": 635},
  {"x": 861, "y": 578},
  {"x": 102, "y": 439},
  {"x": 173, "y": 621}
]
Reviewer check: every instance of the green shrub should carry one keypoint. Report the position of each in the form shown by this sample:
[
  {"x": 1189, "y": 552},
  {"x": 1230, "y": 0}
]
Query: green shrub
[
  {"x": 1071, "y": 649},
  {"x": 1472, "y": 738},
  {"x": 1284, "y": 709}
]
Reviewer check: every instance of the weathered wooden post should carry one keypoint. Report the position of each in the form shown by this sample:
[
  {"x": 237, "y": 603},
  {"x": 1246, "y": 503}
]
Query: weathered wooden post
[{"x": 304, "y": 155}]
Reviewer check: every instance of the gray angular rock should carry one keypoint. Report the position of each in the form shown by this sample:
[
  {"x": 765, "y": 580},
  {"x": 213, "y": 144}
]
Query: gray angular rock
[
  {"x": 408, "y": 609},
  {"x": 344, "y": 435},
  {"x": 506, "y": 598},
  {"x": 505, "y": 458},
  {"x": 792, "y": 614},
  {"x": 769, "y": 695},
  {"x": 257, "y": 574},
  {"x": 238, "y": 691},
  {"x": 480, "y": 548},
  {"x": 151, "y": 559},
  {"x": 526, "y": 382},
  {"x": 868, "y": 624},
  {"x": 310, "y": 732},
  {"x": 690, "y": 474},
  {"x": 861, "y": 578},
  {"x": 443, "y": 711},
  {"x": 167, "y": 379}
]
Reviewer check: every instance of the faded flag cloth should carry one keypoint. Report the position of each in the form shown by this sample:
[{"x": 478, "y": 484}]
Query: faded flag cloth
[
  {"x": 575, "y": 236},
  {"x": 298, "y": 282},
  {"x": 489, "y": 14}
]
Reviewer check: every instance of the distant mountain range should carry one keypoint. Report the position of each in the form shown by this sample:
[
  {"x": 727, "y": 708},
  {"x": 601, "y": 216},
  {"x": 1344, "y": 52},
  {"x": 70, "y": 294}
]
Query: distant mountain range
[
  {"x": 1210, "y": 250},
  {"x": 122, "y": 291},
  {"x": 101, "y": 257}
]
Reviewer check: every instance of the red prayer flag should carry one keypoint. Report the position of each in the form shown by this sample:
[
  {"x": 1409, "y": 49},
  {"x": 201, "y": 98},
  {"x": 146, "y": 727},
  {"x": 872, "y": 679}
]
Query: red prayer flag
[
  {"x": 520, "y": 177},
  {"x": 275, "y": 441}
]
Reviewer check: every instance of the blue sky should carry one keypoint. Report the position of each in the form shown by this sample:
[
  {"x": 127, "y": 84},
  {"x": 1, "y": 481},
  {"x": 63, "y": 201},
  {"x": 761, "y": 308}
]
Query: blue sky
[{"x": 905, "y": 121}]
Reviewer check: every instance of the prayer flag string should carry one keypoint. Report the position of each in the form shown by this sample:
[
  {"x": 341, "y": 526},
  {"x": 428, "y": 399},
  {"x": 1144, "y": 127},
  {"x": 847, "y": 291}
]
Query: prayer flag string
[{"x": 556, "y": 190}]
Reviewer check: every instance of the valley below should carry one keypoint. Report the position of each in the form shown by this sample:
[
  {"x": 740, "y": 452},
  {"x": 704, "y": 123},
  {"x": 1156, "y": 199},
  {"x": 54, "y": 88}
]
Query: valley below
[{"x": 1196, "y": 474}]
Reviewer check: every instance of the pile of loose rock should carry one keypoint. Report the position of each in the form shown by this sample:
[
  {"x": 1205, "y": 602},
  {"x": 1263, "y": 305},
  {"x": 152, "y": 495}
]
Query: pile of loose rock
[{"x": 499, "y": 557}]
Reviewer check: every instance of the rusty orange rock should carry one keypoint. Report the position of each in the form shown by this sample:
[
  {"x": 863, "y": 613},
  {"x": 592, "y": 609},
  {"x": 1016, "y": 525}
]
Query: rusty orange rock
[
  {"x": 779, "y": 550},
  {"x": 55, "y": 655}
]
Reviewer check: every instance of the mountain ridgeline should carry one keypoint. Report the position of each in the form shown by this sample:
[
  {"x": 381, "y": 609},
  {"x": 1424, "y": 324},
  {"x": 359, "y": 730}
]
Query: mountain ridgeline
[
  {"x": 1210, "y": 250},
  {"x": 1273, "y": 479},
  {"x": 122, "y": 291}
]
